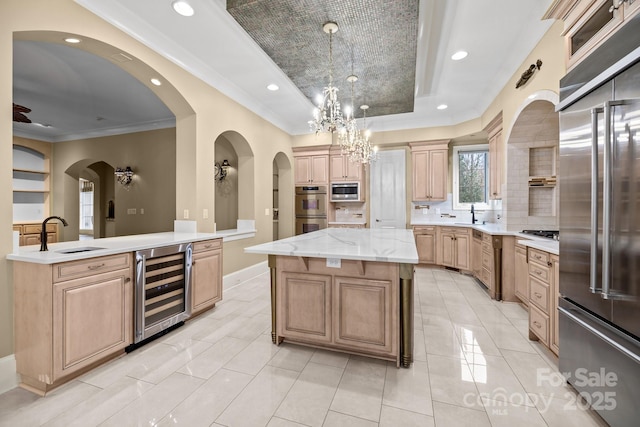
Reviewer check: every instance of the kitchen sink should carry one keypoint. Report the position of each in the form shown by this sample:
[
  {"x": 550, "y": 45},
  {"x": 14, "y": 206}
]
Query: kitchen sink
[{"x": 78, "y": 250}]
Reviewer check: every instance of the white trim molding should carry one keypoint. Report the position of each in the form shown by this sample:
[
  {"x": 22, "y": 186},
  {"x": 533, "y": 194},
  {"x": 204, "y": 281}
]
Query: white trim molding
[
  {"x": 8, "y": 374},
  {"x": 232, "y": 280}
]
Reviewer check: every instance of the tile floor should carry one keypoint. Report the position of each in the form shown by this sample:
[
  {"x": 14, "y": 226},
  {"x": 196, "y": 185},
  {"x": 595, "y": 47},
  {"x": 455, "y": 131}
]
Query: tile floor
[{"x": 473, "y": 366}]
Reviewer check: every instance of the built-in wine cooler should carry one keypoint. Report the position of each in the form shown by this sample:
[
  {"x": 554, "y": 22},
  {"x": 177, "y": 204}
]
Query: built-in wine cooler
[{"x": 163, "y": 282}]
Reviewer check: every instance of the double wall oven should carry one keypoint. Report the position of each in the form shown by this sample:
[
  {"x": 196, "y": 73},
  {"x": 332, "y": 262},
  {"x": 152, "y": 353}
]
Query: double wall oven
[{"x": 311, "y": 208}]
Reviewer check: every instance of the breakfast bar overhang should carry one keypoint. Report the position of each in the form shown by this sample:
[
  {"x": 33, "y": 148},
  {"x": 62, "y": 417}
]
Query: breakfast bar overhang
[{"x": 342, "y": 289}]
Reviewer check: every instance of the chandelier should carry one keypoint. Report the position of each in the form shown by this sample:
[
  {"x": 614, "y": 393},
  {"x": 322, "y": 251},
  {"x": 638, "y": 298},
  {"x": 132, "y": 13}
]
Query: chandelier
[
  {"x": 361, "y": 151},
  {"x": 327, "y": 117},
  {"x": 347, "y": 135}
]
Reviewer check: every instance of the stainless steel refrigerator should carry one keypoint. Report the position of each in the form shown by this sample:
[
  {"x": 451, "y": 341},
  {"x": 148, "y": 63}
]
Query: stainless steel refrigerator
[{"x": 599, "y": 184}]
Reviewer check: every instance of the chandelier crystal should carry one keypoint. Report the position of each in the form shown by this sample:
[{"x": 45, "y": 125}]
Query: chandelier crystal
[
  {"x": 327, "y": 117},
  {"x": 361, "y": 151},
  {"x": 347, "y": 135}
]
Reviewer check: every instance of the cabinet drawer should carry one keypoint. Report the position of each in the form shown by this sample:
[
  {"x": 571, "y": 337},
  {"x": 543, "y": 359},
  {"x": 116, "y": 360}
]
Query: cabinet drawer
[
  {"x": 539, "y": 324},
  {"x": 539, "y": 271},
  {"x": 37, "y": 228},
  {"x": 90, "y": 267},
  {"x": 207, "y": 245},
  {"x": 522, "y": 250},
  {"x": 486, "y": 238},
  {"x": 539, "y": 294},
  {"x": 486, "y": 247},
  {"x": 487, "y": 260},
  {"x": 423, "y": 229},
  {"x": 538, "y": 256},
  {"x": 486, "y": 277}
]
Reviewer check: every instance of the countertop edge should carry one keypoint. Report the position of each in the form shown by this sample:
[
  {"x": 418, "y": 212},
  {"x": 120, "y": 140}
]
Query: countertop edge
[{"x": 551, "y": 247}]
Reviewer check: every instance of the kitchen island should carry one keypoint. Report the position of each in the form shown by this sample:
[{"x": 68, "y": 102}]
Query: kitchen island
[{"x": 343, "y": 289}]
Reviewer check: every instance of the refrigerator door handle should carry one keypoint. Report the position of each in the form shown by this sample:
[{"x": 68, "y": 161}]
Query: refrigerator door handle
[
  {"x": 593, "y": 277},
  {"x": 606, "y": 196},
  {"x": 633, "y": 356}
]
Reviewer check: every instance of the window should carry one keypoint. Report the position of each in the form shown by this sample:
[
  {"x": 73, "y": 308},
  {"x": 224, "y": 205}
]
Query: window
[
  {"x": 471, "y": 177},
  {"x": 86, "y": 206}
]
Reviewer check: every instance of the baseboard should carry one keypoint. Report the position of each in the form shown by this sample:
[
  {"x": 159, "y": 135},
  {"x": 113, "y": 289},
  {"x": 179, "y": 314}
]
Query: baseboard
[
  {"x": 8, "y": 375},
  {"x": 233, "y": 279}
]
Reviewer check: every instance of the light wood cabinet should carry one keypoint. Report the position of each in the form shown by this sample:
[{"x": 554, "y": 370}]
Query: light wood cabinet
[
  {"x": 343, "y": 170},
  {"x": 309, "y": 307},
  {"x": 589, "y": 23},
  {"x": 311, "y": 165},
  {"x": 70, "y": 316},
  {"x": 358, "y": 225},
  {"x": 430, "y": 162},
  {"x": 30, "y": 233},
  {"x": 206, "y": 289},
  {"x": 476, "y": 254},
  {"x": 425, "y": 243},
  {"x": 521, "y": 274},
  {"x": 543, "y": 297},
  {"x": 496, "y": 159},
  {"x": 455, "y": 247}
]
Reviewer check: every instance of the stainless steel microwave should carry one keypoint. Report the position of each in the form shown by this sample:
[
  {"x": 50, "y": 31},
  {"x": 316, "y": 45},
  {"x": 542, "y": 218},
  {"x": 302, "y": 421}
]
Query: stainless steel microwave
[{"x": 345, "y": 192}]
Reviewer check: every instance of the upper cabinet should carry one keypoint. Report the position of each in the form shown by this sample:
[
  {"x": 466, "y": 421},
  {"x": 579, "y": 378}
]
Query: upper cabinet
[
  {"x": 496, "y": 162},
  {"x": 430, "y": 170},
  {"x": 311, "y": 165},
  {"x": 341, "y": 169},
  {"x": 588, "y": 23}
]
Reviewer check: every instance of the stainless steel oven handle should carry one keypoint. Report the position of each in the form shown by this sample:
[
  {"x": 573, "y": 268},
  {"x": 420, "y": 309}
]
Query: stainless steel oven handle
[
  {"x": 599, "y": 334},
  {"x": 593, "y": 279},
  {"x": 606, "y": 210}
]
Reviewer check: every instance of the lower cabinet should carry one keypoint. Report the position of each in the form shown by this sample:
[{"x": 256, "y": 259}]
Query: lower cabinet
[
  {"x": 206, "y": 271},
  {"x": 70, "y": 316},
  {"x": 30, "y": 233},
  {"x": 340, "y": 309},
  {"x": 455, "y": 247},
  {"x": 476, "y": 254},
  {"x": 425, "y": 243},
  {"x": 543, "y": 297},
  {"x": 553, "y": 306}
]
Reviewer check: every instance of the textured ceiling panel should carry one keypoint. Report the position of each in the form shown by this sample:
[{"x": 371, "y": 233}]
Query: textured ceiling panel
[{"x": 376, "y": 41}]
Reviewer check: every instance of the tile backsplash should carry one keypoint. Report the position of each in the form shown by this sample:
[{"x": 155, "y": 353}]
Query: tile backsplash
[{"x": 443, "y": 211}]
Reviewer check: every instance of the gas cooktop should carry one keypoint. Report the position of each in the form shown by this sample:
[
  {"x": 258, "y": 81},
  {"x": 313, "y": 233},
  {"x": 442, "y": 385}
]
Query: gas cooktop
[{"x": 549, "y": 234}]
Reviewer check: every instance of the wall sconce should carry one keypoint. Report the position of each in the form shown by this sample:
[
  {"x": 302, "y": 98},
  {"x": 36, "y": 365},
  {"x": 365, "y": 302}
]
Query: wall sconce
[
  {"x": 124, "y": 176},
  {"x": 221, "y": 170}
]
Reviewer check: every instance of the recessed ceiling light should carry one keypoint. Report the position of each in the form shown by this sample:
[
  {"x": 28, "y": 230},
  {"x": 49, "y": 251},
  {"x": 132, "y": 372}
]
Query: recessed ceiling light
[
  {"x": 273, "y": 87},
  {"x": 183, "y": 8},
  {"x": 532, "y": 96},
  {"x": 156, "y": 82},
  {"x": 72, "y": 40},
  {"x": 461, "y": 54},
  {"x": 442, "y": 107}
]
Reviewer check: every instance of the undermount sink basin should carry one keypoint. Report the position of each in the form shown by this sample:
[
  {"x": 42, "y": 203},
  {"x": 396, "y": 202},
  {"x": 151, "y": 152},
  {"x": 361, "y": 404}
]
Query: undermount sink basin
[{"x": 77, "y": 250}]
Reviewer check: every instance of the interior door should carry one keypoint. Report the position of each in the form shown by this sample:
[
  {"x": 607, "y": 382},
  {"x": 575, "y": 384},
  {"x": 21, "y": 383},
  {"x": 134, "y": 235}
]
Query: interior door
[{"x": 388, "y": 190}]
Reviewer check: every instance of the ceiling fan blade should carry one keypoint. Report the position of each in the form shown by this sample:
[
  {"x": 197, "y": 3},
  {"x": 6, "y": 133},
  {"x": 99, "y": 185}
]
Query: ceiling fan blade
[{"x": 18, "y": 115}]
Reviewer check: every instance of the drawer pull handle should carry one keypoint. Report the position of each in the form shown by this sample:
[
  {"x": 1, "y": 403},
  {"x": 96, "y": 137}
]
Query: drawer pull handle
[
  {"x": 538, "y": 272},
  {"x": 95, "y": 266},
  {"x": 208, "y": 245},
  {"x": 127, "y": 279},
  {"x": 538, "y": 256},
  {"x": 538, "y": 295},
  {"x": 537, "y": 324}
]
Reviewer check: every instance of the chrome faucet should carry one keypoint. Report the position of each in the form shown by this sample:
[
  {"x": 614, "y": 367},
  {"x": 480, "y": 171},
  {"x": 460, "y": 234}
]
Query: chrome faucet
[
  {"x": 43, "y": 232},
  {"x": 473, "y": 215}
]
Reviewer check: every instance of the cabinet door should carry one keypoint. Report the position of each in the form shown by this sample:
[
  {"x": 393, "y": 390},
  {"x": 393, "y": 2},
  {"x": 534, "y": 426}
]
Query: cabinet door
[
  {"x": 353, "y": 171},
  {"x": 420, "y": 176},
  {"x": 304, "y": 307},
  {"x": 336, "y": 168},
  {"x": 302, "y": 169},
  {"x": 495, "y": 166},
  {"x": 92, "y": 319},
  {"x": 206, "y": 282},
  {"x": 320, "y": 169},
  {"x": 448, "y": 249},
  {"x": 364, "y": 314},
  {"x": 438, "y": 171},
  {"x": 462, "y": 249},
  {"x": 426, "y": 245},
  {"x": 521, "y": 274}
]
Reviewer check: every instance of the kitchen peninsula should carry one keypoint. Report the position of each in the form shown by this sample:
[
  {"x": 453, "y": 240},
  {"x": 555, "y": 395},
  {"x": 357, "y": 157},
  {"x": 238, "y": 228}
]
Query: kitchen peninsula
[
  {"x": 344, "y": 289},
  {"x": 82, "y": 303}
]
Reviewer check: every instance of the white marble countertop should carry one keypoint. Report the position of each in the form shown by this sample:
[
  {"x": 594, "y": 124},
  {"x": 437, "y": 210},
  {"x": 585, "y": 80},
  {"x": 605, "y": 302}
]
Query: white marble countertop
[
  {"x": 347, "y": 222},
  {"x": 366, "y": 244},
  {"x": 551, "y": 246},
  {"x": 108, "y": 246}
]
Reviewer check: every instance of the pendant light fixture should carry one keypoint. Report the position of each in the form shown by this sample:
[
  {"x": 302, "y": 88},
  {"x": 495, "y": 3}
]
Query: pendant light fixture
[
  {"x": 348, "y": 134},
  {"x": 327, "y": 117},
  {"x": 361, "y": 151}
]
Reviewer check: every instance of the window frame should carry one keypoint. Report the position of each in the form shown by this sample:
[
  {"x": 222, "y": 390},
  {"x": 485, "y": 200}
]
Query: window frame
[{"x": 455, "y": 178}]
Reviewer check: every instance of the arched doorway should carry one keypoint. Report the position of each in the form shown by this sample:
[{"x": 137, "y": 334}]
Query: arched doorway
[{"x": 283, "y": 224}]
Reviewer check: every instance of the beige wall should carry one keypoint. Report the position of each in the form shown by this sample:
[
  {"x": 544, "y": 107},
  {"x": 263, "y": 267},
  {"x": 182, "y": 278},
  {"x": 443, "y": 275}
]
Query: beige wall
[
  {"x": 202, "y": 114},
  {"x": 150, "y": 154},
  {"x": 226, "y": 193}
]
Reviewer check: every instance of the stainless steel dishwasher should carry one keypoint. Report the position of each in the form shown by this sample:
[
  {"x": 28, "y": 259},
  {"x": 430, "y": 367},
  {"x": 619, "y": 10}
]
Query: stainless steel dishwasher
[{"x": 163, "y": 289}]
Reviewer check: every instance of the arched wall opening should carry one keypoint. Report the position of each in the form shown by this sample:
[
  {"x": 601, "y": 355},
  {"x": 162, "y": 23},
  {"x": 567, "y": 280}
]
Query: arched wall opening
[
  {"x": 283, "y": 197},
  {"x": 234, "y": 196},
  {"x": 532, "y": 152}
]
